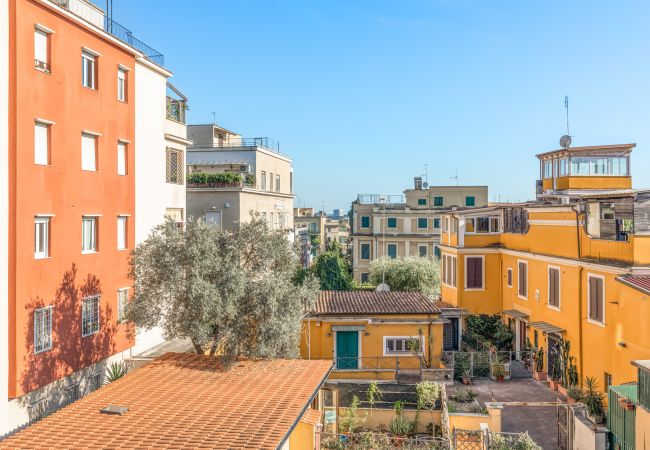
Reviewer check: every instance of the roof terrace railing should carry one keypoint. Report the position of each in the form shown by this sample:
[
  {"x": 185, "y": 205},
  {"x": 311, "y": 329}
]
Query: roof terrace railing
[
  {"x": 235, "y": 142},
  {"x": 371, "y": 199},
  {"x": 125, "y": 35}
]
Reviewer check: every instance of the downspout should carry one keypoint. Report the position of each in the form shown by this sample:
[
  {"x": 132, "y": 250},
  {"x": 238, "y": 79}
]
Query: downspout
[
  {"x": 429, "y": 339},
  {"x": 580, "y": 270}
]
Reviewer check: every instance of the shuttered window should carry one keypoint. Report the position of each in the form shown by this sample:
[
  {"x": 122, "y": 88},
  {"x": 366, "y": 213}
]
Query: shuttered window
[
  {"x": 522, "y": 279},
  {"x": 596, "y": 299},
  {"x": 509, "y": 277},
  {"x": 449, "y": 270},
  {"x": 474, "y": 274},
  {"x": 121, "y": 158},
  {"x": 41, "y": 143},
  {"x": 88, "y": 152},
  {"x": 554, "y": 287},
  {"x": 365, "y": 251}
]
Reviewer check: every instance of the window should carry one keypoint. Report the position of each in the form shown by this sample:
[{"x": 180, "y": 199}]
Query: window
[
  {"x": 445, "y": 225},
  {"x": 121, "y": 232},
  {"x": 365, "y": 221},
  {"x": 596, "y": 296},
  {"x": 88, "y": 152},
  {"x": 392, "y": 222},
  {"x": 402, "y": 344},
  {"x": 422, "y": 201},
  {"x": 423, "y": 250},
  {"x": 423, "y": 223},
  {"x": 121, "y": 84},
  {"x": 42, "y": 143},
  {"x": 72, "y": 394},
  {"x": 436, "y": 251},
  {"x": 364, "y": 277},
  {"x": 121, "y": 158},
  {"x": 564, "y": 167},
  {"x": 522, "y": 280},
  {"x": 548, "y": 169},
  {"x": 175, "y": 166},
  {"x": 42, "y": 329},
  {"x": 41, "y": 237},
  {"x": 213, "y": 218},
  {"x": 95, "y": 381},
  {"x": 90, "y": 316},
  {"x": 437, "y": 201},
  {"x": 482, "y": 225},
  {"x": 536, "y": 338},
  {"x": 89, "y": 235},
  {"x": 608, "y": 381},
  {"x": 277, "y": 183},
  {"x": 365, "y": 251},
  {"x": 436, "y": 223},
  {"x": 42, "y": 50},
  {"x": 392, "y": 250},
  {"x": 474, "y": 272},
  {"x": 449, "y": 270},
  {"x": 38, "y": 410},
  {"x": 598, "y": 165},
  {"x": 470, "y": 201},
  {"x": 263, "y": 180},
  {"x": 88, "y": 70},
  {"x": 175, "y": 214},
  {"x": 271, "y": 182},
  {"x": 509, "y": 277},
  {"x": 554, "y": 287},
  {"x": 122, "y": 298}
]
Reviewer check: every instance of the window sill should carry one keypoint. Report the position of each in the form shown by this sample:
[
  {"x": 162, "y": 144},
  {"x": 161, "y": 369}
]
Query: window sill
[
  {"x": 89, "y": 334},
  {"x": 522, "y": 297},
  {"x": 449, "y": 286},
  {"x": 89, "y": 252},
  {"x": 594, "y": 322},
  {"x": 123, "y": 101},
  {"x": 42, "y": 351},
  {"x": 45, "y": 71},
  {"x": 43, "y": 165},
  {"x": 42, "y": 257},
  {"x": 474, "y": 289},
  {"x": 554, "y": 308},
  {"x": 122, "y": 249},
  {"x": 90, "y": 88},
  {"x": 89, "y": 170}
]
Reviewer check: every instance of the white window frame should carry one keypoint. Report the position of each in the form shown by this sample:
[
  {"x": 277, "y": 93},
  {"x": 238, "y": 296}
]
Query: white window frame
[
  {"x": 453, "y": 273},
  {"x": 473, "y": 219},
  {"x": 42, "y": 64},
  {"x": 205, "y": 217},
  {"x": 521, "y": 261},
  {"x": 84, "y": 314},
  {"x": 123, "y": 227},
  {"x": 84, "y": 161},
  {"x": 94, "y": 234},
  {"x": 263, "y": 180},
  {"x": 42, "y": 220},
  {"x": 482, "y": 257},
  {"x": 122, "y": 157},
  {"x": 589, "y": 319},
  {"x": 388, "y": 244},
  {"x": 121, "y": 84},
  {"x": 48, "y": 310},
  {"x": 510, "y": 273},
  {"x": 426, "y": 250},
  {"x": 402, "y": 352},
  {"x": 559, "y": 287},
  {"x": 47, "y": 125},
  {"x": 121, "y": 303},
  {"x": 88, "y": 69}
]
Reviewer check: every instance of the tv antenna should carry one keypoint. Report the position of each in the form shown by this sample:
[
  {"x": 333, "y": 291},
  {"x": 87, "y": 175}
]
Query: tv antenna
[
  {"x": 565, "y": 141},
  {"x": 425, "y": 175},
  {"x": 214, "y": 118},
  {"x": 455, "y": 177}
]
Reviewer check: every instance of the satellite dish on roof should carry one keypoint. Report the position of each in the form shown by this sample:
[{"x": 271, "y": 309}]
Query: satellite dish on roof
[
  {"x": 382, "y": 287},
  {"x": 425, "y": 185},
  {"x": 565, "y": 141}
]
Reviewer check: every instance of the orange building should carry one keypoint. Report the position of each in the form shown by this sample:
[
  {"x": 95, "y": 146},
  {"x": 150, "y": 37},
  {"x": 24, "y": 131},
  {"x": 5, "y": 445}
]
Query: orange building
[
  {"x": 573, "y": 265},
  {"x": 71, "y": 202}
]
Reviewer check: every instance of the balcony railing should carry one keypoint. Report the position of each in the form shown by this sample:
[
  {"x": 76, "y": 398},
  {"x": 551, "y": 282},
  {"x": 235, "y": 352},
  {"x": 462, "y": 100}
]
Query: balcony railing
[
  {"x": 176, "y": 110},
  {"x": 382, "y": 199},
  {"x": 264, "y": 142},
  {"x": 401, "y": 362},
  {"x": 211, "y": 185}
]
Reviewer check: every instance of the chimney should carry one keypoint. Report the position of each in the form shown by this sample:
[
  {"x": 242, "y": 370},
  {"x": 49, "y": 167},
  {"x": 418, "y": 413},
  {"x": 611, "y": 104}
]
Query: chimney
[{"x": 418, "y": 182}]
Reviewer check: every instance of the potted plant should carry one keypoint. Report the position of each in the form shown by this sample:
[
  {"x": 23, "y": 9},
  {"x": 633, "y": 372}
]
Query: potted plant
[
  {"x": 467, "y": 376},
  {"x": 538, "y": 373},
  {"x": 574, "y": 394},
  {"x": 400, "y": 426},
  {"x": 594, "y": 400},
  {"x": 626, "y": 404},
  {"x": 498, "y": 371}
]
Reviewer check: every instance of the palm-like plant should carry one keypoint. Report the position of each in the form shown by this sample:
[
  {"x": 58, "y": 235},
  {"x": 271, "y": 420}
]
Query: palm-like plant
[
  {"x": 593, "y": 398},
  {"x": 115, "y": 371}
]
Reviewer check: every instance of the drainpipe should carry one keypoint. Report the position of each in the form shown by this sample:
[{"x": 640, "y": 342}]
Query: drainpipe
[
  {"x": 429, "y": 341},
  {"x": 580, "y": 270}
]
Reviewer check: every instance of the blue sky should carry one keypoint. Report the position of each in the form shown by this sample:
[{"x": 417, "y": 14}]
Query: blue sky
[{"x": 363, "y": 94}]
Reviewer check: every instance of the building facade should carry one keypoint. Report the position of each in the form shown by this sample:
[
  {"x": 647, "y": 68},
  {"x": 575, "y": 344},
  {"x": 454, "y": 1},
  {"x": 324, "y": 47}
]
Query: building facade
[
  {"x": 69, "y": 130},
  {"x": 570, "y": 267},
  {"x": 230, "y": 177},
  {"x": 408, "y": 225}
]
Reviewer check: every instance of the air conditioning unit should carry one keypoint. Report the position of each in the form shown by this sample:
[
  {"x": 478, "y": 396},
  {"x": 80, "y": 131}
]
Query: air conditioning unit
[{"x": 41, "y": 65}]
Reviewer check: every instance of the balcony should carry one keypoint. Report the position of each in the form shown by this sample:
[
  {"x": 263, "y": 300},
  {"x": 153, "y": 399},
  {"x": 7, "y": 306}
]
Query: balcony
[
  {"x": 380, "y": 199},
  {"x": 241, "y": 142},
  {"x": 176, "y": 110}
]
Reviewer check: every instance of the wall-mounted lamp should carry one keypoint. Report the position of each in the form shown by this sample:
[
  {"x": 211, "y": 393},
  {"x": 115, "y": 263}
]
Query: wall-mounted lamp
[
  {"x": 622, "y": 344},
  {"x": 329, "y": 335},
  {"x": 366, "y": 334}
]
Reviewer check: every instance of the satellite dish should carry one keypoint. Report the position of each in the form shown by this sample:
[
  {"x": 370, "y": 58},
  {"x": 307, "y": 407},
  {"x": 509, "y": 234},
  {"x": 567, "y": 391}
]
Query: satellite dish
[
  {"x": 425, "y": 185},
  {"x": 382, "y": 287},
  {"x": 565, "y": 141}
]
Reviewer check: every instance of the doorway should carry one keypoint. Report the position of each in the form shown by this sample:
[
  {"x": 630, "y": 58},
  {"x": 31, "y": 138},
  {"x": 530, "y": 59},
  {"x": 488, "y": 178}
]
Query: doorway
[
  {"x": 450, "y": 335},
  {"x": 347, "y": 350}
]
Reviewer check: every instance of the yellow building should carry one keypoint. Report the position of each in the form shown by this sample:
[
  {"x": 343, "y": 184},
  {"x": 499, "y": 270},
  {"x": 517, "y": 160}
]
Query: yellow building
[
  {"x": 373, "y": 335},
  {"x": 571, "y": 265},
  {"x": 404, "y": 225}
]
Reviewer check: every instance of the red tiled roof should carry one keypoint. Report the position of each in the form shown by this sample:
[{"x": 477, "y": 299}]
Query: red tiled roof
[
  {"x": 184, "y": 400},
  {"x": 311, "y": 417},
  {"x": 640, "y": 282},
  {"x": 373, "y": 302}
]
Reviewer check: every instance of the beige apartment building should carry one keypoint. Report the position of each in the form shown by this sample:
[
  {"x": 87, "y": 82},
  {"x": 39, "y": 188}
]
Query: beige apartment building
[
  {"x": 404, "y": 225},
  {"x": 320, "y": 229},
  {"x": 229, "y": 176}
]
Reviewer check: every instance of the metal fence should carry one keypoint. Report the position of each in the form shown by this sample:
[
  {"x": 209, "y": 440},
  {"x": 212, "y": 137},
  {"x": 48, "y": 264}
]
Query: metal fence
[
  {"x": 381, "y": 441},
  {"x": 479, "y": 364},
  {"x": 408, "y": 362},
  {"x": 487, "y": 440}
]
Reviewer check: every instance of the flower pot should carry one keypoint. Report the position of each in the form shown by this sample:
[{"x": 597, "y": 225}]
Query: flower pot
[
  {"x": 562, "y": 390},
  {"x": 598, "y": 420},
  {"x": 629, "y": 406},
  {"x": 553, "y": 384},
  {"x": 500, "y": 379},
  {"x": 570, "y": 400},
  {"x": 539, "y": 376},
  {"x": 467, "y": 380}
]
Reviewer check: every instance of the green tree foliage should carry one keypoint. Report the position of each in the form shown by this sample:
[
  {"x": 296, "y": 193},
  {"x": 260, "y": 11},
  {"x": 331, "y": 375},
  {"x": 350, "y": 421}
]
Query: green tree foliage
[
  {"x": 332, "y": 270},
  {"x": 407, "y": 274},
  {"x": 491, "y": 329},
  {"x": 230, "y": 293}
]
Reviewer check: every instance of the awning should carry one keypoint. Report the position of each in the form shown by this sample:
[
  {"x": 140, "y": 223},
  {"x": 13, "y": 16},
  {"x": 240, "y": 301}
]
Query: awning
[
  {"x": 454, "y": 312},
  {"x": 514, "y": 313},
  {"x": 546, "y": 327},
  {"x": 348, "y": 327}
]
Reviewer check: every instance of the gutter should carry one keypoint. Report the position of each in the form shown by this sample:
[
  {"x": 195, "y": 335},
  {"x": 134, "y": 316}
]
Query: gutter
[
  {"x": 302, "y": 412},
  {"x": 580, "y": 290}
]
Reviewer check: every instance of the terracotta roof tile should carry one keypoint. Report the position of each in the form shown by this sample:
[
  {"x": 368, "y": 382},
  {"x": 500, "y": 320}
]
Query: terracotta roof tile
[
  {"x": 184, "y": 400},
  {"x": 640, "y": 282},
  {"x": 373, "y": 302},
  {"x": 311, "y": 416}
]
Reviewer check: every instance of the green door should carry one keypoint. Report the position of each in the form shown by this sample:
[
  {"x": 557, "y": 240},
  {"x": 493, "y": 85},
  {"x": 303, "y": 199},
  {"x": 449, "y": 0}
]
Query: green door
[{"x": 347, "y": 349}]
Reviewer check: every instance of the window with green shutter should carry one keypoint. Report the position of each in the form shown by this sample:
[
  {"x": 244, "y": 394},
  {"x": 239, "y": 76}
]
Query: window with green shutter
[
  {"x": 437, "y": 201},
  {"x": 365, "y": 221},
  {"x": 423, "y": 223},
  {"x": 392, "y": 250},
  {"x": 422, "y": 201},
  {"x": 392, "y": 222},
  {"x": 470, "y": 201},
  {"x": 436, "y": 223},
  {"x": 365, "y": 251}
]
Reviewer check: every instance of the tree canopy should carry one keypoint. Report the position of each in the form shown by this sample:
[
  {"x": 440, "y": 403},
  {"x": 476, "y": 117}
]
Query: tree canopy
[
  {"x": 230, "y": 293},
  {"x": 409, "y": 273},
  {"x": 332, "y": 270}
]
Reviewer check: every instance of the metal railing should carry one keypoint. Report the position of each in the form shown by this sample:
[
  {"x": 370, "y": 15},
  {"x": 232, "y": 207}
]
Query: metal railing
[
  {"x": 397, "y": 362},
  {"x": 382, "y": 441},
  {"x": 387, "y": 199},
  {"x": 176, "y": 110},
  {"x": 479, "y": 364},
  {"x": 125, "y": 35}
]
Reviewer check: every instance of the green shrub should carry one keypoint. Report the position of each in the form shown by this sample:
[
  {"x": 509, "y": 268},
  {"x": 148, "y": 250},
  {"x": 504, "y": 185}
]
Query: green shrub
[
  {"x": 115, "y": 371},
  {"x": 197, "y": 177}
]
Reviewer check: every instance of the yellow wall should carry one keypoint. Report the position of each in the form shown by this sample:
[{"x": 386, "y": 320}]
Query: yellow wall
[
  {"x": 642, "y": 428},
  {"x": 376, "y": 417},
  {"x": 466, "y": 421},
  {"x": 302, "y": 437},
  {"x": 591, "y": 182}
]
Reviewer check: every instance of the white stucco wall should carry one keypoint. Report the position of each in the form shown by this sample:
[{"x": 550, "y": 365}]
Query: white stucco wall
[
  {"x": 4, "y": 214},
  {"x": 153, "y": 195}
]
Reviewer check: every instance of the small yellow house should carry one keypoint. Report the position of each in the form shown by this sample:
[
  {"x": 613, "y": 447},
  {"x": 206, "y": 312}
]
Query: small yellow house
[{"x": 375, "y": 335}]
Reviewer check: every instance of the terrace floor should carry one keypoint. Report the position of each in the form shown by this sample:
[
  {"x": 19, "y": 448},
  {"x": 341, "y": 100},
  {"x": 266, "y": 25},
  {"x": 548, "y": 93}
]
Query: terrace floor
[{"x": 528, "y": 406}]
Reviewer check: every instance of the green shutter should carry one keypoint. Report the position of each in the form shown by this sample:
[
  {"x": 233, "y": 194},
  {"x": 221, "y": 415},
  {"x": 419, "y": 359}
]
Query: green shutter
[
  {"x": 422, "y": 201},
  {"x": 470, "y": 201},
  {"x": 423, "y": 222}
]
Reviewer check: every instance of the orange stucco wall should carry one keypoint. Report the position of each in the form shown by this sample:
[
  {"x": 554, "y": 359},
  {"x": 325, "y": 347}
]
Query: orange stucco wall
[{"x": 67, "y": 192}]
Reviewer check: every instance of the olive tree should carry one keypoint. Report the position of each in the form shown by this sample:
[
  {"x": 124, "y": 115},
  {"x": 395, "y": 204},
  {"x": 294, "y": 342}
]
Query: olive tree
[
  {"x": 409, "y": 273},
  {"x": 230, "y": 293}
]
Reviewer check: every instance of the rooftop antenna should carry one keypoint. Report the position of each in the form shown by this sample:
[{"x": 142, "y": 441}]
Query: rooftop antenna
[
  {"x": 214, "y": 118},
  {"x": 455, "y": 177},
  {"x": 565, "y": 141},
  {"x": 425, "y": 185}
]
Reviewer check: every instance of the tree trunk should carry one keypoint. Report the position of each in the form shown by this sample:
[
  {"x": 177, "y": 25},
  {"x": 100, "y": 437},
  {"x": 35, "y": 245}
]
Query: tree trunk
[{"x": 197, "y": 347}]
